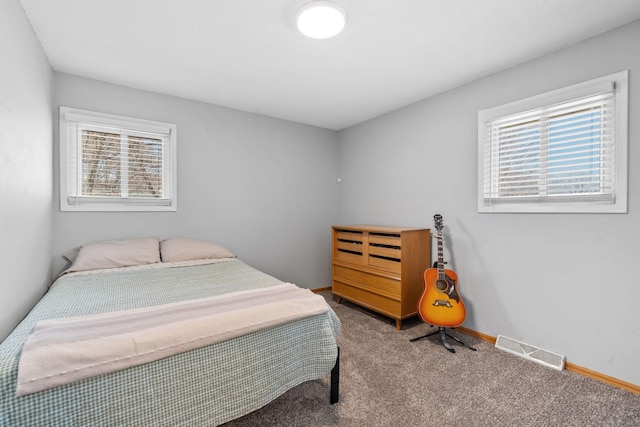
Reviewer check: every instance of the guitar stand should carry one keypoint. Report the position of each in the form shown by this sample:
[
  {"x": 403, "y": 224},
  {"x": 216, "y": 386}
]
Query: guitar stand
[{"x": 443, "y": 339}]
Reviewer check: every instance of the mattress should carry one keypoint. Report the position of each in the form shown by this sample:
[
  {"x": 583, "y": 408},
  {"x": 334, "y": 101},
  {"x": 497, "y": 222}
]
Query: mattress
[{"x": 206, "y": 386}]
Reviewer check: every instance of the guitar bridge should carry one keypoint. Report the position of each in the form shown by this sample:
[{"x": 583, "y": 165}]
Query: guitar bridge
[{"x": 441, "y": 302}]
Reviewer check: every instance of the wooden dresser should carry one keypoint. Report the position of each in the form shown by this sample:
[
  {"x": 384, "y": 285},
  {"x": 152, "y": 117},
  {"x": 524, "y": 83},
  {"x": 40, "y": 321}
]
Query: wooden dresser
[{"x": 381, "y": 268}]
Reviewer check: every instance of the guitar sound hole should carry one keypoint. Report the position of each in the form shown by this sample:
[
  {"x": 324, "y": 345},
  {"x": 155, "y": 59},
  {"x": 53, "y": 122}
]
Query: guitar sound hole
[{"x": 442, "y": 285}]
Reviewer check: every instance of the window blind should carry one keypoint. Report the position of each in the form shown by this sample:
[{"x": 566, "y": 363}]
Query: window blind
[
  {"x": 559, "y": 153},
  {"x": 112, "y": 164}
]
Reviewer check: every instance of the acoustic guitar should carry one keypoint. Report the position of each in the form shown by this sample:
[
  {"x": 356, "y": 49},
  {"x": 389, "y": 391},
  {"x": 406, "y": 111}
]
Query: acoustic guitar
[{"x": 440, "y": 303}]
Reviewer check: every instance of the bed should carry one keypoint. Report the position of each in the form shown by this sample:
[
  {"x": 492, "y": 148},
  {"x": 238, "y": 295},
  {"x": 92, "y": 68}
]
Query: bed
[{"x": 206, "y": 386}]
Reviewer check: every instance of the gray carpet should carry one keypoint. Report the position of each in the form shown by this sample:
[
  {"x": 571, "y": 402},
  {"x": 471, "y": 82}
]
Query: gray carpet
[{"x": 385, "y": 380}]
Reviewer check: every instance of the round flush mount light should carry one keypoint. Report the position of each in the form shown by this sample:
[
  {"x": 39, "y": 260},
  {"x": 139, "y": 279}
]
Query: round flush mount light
[{"x": 321, "y": 19}]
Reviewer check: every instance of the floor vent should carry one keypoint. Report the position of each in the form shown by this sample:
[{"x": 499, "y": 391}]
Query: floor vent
[{"x": 547, "y": 358}]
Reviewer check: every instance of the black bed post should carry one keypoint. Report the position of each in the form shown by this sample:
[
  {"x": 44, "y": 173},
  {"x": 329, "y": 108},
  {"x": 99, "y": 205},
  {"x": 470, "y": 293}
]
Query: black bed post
[{"x": 335, "y": 380}]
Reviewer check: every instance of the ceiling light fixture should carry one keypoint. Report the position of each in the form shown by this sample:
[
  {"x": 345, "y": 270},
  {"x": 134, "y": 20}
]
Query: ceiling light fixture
[{"x": 321, "y": 19}]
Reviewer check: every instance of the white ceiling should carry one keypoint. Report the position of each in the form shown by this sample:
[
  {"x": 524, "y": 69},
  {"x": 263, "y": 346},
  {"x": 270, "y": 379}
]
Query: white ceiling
[{"x": 248, "y": 55}]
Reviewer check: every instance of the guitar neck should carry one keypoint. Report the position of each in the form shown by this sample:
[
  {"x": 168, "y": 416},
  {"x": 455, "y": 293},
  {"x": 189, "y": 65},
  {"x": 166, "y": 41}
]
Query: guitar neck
[{"x": 441, "y": 274}]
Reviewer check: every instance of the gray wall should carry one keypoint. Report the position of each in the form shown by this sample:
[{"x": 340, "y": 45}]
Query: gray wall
[
  {"x": 262, "y": 187},
  {"x": 25, "y": 167},
  {"x": 564, "y": 282}
]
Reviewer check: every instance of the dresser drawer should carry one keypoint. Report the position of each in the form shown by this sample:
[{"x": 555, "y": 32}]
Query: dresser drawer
[
  {"x": 349, "y": 235},
  {"x": 374, "y": 301},
  {"x": 385, "y": 263},
  {"x": 375, "y": 283},
  {"x": 349, "y": 253}
]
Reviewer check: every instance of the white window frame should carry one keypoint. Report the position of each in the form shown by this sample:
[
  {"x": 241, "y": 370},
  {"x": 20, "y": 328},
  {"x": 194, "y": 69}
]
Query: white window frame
[
  {"x": 620, "y": 82},
  {"x": 72, "y": 202}
]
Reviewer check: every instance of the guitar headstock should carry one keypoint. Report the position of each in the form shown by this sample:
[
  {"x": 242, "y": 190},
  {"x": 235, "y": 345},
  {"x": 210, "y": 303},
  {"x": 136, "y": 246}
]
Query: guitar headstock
[{"x": 437, "y": 222}]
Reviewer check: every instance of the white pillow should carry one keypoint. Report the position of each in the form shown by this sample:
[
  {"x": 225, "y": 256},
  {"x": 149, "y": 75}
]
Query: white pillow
[
  {"x": 116, "y": 253},
  {"x": 183, "y": 249}
]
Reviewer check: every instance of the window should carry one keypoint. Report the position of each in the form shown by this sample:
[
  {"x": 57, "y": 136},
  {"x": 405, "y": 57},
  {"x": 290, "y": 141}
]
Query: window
[
  {"x": 114, "y": 163},
  {"x": 563, "y": 151}
]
